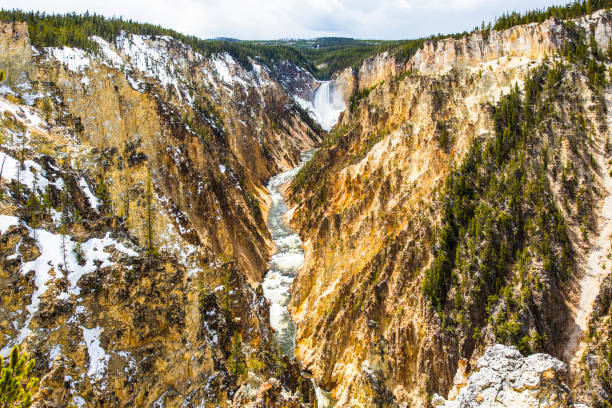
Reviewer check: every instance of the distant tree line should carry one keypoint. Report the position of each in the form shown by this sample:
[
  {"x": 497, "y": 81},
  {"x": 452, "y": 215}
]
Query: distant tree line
[
  {"x": 404, "y": 50},
  {"x": 75, "y": 30},
  {"x": 322, "y": 57},
  {"x": 572, "y": 10}
]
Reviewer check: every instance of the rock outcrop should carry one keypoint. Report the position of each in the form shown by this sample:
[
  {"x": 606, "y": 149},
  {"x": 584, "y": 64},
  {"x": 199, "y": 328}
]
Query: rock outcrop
[
  {"x": 16, "y": 50},
  {"x": 504, "y": 378}
]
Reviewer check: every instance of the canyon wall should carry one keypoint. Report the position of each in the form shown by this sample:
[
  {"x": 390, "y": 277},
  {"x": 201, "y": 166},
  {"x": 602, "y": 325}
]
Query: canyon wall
[
  {"x": 372, "y": 208},
  {"x": 132, "y": 227}
]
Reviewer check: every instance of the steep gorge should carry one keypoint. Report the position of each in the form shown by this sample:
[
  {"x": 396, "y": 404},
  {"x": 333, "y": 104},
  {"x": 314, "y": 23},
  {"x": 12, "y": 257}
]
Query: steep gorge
[
  {"x": 408, "y": 210},
  {"x": 133, "y": 229},
  {"x": 459, "y": 201}
]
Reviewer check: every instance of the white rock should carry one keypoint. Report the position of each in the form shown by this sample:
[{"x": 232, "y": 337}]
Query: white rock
[{"x": 504, "y": 378}]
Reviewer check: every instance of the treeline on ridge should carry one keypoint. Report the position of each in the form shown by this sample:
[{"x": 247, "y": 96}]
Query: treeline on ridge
[{"x": 75, "y": 30}]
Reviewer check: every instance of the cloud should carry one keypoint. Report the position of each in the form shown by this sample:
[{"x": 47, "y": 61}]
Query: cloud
[{"x": 271, "y": 19}]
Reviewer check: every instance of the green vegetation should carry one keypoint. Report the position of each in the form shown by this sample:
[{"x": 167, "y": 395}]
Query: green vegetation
[
  {"x": 572, "y": 10},
  {"x": 495, "y": 204},
  {"x": 16, "y": 384},
  {"x": 328, "y": 55},
  {"x": 75, "y": 30},
  {"x": 497, "y": 209},
  {"x": 321, "y": 56},
  {"x": 236, "y": 361},
  {"x": 358, "y": 95}
]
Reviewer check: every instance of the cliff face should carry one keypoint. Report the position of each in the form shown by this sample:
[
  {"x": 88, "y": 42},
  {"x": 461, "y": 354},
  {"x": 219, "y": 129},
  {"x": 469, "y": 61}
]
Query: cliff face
[
  {"x": 132, "y": 222},
  {"x": 16, "y": 51},
  {"x": 532, "y": 42},
  {"x": 379, "y": 213}
]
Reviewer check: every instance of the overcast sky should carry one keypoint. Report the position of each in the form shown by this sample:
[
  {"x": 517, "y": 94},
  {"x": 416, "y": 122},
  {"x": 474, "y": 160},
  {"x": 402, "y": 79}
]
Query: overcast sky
[{"x": 273, "y": 19}]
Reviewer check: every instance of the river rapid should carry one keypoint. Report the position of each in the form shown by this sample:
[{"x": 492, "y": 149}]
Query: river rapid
[{"x": 283, "y": 269}]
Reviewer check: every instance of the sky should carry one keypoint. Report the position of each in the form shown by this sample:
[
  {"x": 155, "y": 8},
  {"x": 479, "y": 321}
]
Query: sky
[{"x": 275, "y": 19}]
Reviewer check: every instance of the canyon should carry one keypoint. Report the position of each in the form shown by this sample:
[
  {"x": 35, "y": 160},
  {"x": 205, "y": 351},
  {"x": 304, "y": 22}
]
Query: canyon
[{"x": 180, "y": 228}]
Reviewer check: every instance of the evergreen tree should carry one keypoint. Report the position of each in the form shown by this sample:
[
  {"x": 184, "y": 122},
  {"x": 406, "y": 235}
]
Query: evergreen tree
[
  {"x": 20, "y": 167},
  {"x": 149, "y": 217},
  {"x": 46, "y": 201},
  {"x": 16, "y": 384},
  {"x": 236, "y": 359},
  {"x": 64, "y": 226},
  {"x": 102, "y": 192}
]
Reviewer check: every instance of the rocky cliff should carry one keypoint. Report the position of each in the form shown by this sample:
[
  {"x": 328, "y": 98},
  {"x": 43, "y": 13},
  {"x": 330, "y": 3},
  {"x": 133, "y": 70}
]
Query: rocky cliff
[
  {"x": 504, "y": 378},
  {"x": 455, "y": 206},
  {"x": 456, "y": 218},
  {"x": 132, "y": 221}
]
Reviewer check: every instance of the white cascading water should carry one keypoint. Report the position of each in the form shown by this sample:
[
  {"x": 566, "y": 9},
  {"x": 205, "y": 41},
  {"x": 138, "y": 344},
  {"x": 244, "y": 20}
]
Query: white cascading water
[
  {"x": 328, "y": 103},
  {"x": 284, "y": 267}
]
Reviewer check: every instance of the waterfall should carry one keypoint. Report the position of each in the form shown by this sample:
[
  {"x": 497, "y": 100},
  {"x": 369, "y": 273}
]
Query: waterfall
[{"x": 328, "y": 103}]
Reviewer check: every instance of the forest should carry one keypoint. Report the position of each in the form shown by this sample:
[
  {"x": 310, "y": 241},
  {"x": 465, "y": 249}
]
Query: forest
[{"x": 321, "y": 56}]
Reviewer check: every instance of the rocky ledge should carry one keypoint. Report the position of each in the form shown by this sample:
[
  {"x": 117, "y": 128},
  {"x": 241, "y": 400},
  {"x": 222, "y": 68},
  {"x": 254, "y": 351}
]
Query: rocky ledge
[{"x": 504, "y": 378}]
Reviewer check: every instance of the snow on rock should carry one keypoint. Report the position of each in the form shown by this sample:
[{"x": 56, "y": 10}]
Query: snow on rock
[
  {"x": 224, "y": 64},
  {"x": 22, "y": 113},
  {"x": 262, "y": 73},
  {"x": 6, "y": 222},
  {"x": 59, "y": 253},
  {"x": 74, "y": 59},
  {"x": 93, "y": 200},
  {"x": 504, "y": 378},
  {"x": 53, "y": 353},
  {"x": 4, "y": 90},
  {"x": 110, "y": 57},
  {"x": 152, "y": 61},
  {"x": 98, "y": 359},
  {"x": 31, "y": 173}
]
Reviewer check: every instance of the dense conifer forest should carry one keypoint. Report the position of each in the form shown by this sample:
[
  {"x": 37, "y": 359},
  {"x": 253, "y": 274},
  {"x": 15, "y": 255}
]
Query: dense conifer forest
[{"x": 322, "y": 56}]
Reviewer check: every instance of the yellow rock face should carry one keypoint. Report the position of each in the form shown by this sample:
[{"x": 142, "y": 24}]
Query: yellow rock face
[
  {"x": 364, "y": 329},
  {"x": 137, "y": 281}
]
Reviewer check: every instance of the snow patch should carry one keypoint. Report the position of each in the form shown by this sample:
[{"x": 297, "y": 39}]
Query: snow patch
[
  {"x": 54, "y": 249},
  {"x": 30, "y": 174},
  {"x": 74, "y": 59},
  {"x": 23, "y": 114},
  {"x": 6, "y": 222},
  {"x": 98, "y": 359},
  {"x": 93, "y": 200},
  {"x": 110, "y": 57}
]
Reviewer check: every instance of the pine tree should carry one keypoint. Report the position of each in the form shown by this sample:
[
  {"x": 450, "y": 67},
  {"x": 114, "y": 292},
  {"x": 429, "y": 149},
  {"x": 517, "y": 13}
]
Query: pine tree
[
  {"x": 32, "y": 206},
  {"x": 20, "y": 167},
  {"x": 2, "y": 165},
  {"x": 149, "y": 215},
  {"x": 236, "y": 359},
  {"x": 46, "y": 201},
  {"x": 64, "y": 227},
  {"x": 102, "y": 191},
  {"x": 16, "y": 384}
]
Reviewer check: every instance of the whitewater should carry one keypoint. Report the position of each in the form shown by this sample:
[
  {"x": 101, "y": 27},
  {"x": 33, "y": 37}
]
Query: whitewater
[{"x": 283, "y": 268}]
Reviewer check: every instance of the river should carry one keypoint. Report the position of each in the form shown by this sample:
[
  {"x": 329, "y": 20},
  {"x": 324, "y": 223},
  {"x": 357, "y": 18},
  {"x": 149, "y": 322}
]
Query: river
[{"x": 284, "y": 266}]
